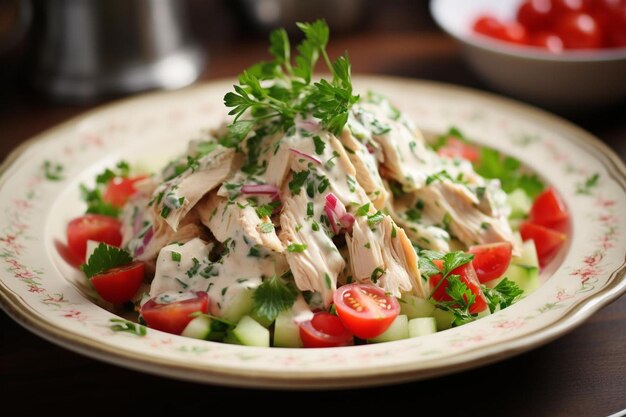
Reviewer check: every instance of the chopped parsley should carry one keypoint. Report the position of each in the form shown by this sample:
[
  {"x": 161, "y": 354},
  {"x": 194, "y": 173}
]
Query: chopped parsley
[
  {"x": 319, "y": 145},
  {"x": 176, "y": 256},
  {"x": 296, "y": 247},
  {"x": 502, "y": 295},
  {"x": 125, "y": 326},
  {"x": 272, "y": 297},
  {"x": 103, "y": 258}
]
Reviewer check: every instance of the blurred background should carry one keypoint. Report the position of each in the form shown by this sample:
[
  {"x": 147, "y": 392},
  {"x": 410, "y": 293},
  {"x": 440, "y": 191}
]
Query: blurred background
[{"x": 59, "y": 58}]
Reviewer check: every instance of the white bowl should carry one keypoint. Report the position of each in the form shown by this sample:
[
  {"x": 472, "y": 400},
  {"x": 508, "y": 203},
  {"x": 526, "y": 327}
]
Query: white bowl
[{"x": 570, "y": 80}]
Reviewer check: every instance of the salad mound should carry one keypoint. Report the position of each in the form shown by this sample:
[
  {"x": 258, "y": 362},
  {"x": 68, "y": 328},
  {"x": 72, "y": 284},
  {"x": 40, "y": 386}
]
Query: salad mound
[{"x": 316, "y": 217}]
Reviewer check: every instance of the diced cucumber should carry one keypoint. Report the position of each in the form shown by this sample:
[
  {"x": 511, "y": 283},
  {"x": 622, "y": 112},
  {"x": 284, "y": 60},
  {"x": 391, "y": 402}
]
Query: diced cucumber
[
  {"x": 525, "y": 276},
  {"x": 239, "y": 305},
  {"x": 251, "y": 333},
  {"x": 523, "y": 270},
  {"x": 422, "y": 326},
  {"x": 198, "y": 328},
  {"x": 443, "y": 318},
  {"x": 286, "y": 331},
  {"x": 520, "y": 203},
  {"x": 414, "y": 307},
  {"x": 398, "y": 330},
  {"x": 529, "y": 255}
]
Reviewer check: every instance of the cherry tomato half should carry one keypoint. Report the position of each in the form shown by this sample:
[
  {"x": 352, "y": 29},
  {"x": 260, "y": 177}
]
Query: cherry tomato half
[
  {"x": 468, "y": 276},
  {"x": 173, "y": 317},
  {"x": 324, "y": 330},
  {"x": 488, "y": 26},
  {"x": 92, "y": 227},
  {"x": 547, "y": 241},
  {"x": 365, "y": 310},
  {"x": 455, "y": 148},
  {"x": 548, "y": 210},
  {"x": 118, "y": 285},
  {"x": 491, "y": 260},
  {"x": 120, "y": 189}
]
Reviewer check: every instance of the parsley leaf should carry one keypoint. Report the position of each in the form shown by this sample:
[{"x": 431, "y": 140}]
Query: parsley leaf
[
  {"x": 508, "y": 170},
  {"x": 297, "y": 181},
  {"x": 121, "y": 325},
  {"x": 296, "y": 247},
  {"x": 295, "y": 93},
  {"x": 105, "y": 257},
  {"x": 272, "y": 297},
  {"x": 502, "y": 295}
]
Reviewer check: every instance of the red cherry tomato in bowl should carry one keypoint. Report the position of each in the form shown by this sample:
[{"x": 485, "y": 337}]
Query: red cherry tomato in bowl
[
  {"x": 535, "y": 14},
  {"x": 324, "y": 330},
  {"x": 491, "y": 260},
  {"x": 118, "y": 285},
  {"x": 488, "y": 26},
  {"x": 173, "y": 317},
  {"x": 579, "y": 31},
  {"x": 365, "y": 310},
  {"x": 92, "y": 227}
]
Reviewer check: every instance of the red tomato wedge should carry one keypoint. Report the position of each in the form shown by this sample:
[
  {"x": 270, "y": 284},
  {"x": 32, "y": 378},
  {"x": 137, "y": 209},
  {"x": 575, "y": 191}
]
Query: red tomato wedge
[
  {"x": 324, "y": 330},
  {"x": 549, "y": 211},
  {"x": 547, "y": 241},
  {"x": 579, "y": 31},
  {"x": 365, "y": 310},
  {"x": 119, "y": 190},
  {"x": 535, "y": 14},
  {"x": 118, "y": 285},
  {"x": 175, "y": 316},
  {"x": 468, "y": 276},
  {"x": 491, "y": 260},
  {"x": 92, "y": 227},
  {"x": 455, "y": 148}
]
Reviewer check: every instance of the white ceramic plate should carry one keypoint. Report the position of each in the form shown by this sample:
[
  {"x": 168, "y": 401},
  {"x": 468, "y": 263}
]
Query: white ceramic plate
[{"x": 38, "y": 289}]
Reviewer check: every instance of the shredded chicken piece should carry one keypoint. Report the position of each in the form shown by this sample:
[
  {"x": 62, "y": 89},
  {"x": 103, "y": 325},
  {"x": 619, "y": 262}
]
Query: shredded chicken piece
[
  {"x": 221, "y": 216},
  {"x": 316, "y": 267},
  {"x": 181, "y": 193}
]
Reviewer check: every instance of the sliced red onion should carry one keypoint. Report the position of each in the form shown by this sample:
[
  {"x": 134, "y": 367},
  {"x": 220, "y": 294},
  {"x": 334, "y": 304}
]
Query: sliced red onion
[
  {"x": 370, "y": 148},
  {"x": 331, "y": 219},
  {"x": 347, "y": 220},
  {"x": 336, "y": 211},
  {"x": 260, "y": 189},
  {"x": 306, "y": 156},
  {"x": 147, "y": 237}
]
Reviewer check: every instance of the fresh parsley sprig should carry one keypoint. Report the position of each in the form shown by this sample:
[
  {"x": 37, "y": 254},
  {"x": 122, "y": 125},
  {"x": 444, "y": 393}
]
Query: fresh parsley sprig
[
  {"x": 272, "y": 297},
  {"x": 103, "y": 258},
  {"x": 277, "y": 91},
  {"x": 121, "y": 325},
  {"x": 502, "y": 295},
  {"x": 461, "y": 296},
  {"x": 93, "y": 196}
]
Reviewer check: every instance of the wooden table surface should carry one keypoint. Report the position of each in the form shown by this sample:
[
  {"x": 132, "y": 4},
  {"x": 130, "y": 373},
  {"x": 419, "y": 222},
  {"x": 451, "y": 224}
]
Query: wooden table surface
[{"x": 581, "y": 374}]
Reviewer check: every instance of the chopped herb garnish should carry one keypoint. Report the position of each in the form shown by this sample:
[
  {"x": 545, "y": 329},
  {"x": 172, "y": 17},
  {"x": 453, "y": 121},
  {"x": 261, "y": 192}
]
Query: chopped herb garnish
[
  {"x": 176, "y": 256},
  {"x": 121, "y": 325},
  {"x": 375, "y": 218},
  {"x": 319, "y": 145},
  {"x": 502, "y": 295},
  {"x": 328, "y": 281},
  {"x": 351, "y": 183},
  {"x": 266, "y": 227},
  {"x": 376, "y": 274},
  {"x": 53, "y": 171},
  {"x": 105, "y": 257},
  {"x": 272, "y": 297},
  {"x": 296, "y": 247},
  {"x": 363, "y": 210},
  {"x": 297, "y": 181}
]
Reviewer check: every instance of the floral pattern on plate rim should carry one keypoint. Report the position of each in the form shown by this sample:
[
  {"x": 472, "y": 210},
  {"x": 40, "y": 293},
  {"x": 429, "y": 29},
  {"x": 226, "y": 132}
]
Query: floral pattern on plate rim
[{"x": 579, "y": 277}]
